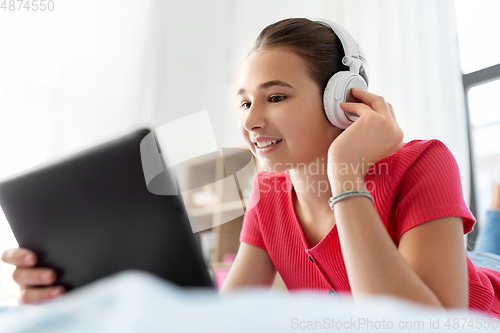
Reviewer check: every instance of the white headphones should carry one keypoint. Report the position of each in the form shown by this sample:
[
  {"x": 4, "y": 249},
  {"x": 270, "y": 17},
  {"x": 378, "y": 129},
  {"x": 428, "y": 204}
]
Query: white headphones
[{"x": 338, "y": 88}]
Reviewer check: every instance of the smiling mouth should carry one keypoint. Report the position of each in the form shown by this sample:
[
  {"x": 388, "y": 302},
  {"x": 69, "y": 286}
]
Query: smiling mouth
[{"x": 270, "y": 145}]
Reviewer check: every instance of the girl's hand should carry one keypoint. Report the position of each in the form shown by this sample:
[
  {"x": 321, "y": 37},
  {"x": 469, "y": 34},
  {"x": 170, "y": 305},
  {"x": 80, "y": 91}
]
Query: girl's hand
[
  {"x": 495, "y": 200},
  {"x": 36, "y": 283},
  {"x": 375, "y": 135}
]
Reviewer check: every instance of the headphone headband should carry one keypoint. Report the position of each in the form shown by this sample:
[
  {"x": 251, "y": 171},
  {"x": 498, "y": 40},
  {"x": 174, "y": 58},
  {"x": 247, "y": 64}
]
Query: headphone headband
[
  {"x": 351, "y": 52},
  {"x": 338, "y": 87}
]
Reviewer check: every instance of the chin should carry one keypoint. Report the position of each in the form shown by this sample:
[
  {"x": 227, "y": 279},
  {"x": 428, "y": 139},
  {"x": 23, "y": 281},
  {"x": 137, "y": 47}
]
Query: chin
[{"x": 275, "y": 167}]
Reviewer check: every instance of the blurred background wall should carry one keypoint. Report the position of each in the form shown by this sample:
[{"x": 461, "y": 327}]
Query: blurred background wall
[{"x": 91, "y": 70}]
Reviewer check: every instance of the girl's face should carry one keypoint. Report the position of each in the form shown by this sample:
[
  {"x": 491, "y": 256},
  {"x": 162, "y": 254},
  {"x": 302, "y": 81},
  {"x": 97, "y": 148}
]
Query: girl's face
[{"x": 280, "y": 101}]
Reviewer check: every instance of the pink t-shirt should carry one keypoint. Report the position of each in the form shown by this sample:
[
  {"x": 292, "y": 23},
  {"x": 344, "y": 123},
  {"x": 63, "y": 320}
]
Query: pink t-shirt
[{"x": 419, "y": 183}]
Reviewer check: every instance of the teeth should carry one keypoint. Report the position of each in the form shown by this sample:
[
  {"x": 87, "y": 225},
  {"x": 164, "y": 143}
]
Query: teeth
[{"x": 267, "y": 143}]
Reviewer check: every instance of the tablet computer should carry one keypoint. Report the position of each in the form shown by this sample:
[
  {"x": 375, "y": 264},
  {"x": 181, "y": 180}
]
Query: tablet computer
[{"x": 90, "y": 215}]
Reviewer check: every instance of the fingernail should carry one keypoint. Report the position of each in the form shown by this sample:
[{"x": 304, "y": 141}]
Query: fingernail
[
  {"x": 56, "y": 291},
  {"x": 29, "y": 260}
]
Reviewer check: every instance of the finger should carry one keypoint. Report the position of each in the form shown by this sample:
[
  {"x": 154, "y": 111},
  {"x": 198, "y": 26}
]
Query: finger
[
  {"x": 19, "y": 257},
  {"x": 36, "y": 295},
  {"x": 376, "y": 102},
  {"x": 393, "y": 114},
  {"x": 392, "y": 111},
  {"x": 357, "y": 108},
  {"x": 34, "y": 276}
]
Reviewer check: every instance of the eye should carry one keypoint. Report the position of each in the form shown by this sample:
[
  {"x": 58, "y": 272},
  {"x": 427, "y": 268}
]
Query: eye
[
  {"x": 272, "y": 99},
  {"x": 276, "y": 99},
  {"x": 243, "y": 105}
]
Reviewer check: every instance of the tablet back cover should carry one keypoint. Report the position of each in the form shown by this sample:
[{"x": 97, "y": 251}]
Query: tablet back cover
[{"x": 90, "y": 215}]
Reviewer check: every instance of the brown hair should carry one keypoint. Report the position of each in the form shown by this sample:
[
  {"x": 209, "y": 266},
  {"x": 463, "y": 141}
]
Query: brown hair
[{"x": 317, "y": 44}]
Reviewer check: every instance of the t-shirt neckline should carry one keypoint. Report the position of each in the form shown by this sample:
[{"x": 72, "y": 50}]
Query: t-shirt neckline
[{"x": 322, "y": 243}]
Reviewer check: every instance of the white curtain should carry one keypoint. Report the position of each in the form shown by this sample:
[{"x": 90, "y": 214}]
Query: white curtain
[{"x": 91, "y": 70}]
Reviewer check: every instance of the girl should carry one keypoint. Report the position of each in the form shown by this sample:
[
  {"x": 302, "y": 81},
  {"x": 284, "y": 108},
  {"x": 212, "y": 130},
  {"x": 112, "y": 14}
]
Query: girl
[
  {"x": 399, "y": 234},
  {"x": 406, "y": 242}
]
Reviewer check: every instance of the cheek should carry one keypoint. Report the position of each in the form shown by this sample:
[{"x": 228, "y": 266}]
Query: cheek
[
  {"x": 311, "y": 132},
  {"x": 301, "y": 127}
]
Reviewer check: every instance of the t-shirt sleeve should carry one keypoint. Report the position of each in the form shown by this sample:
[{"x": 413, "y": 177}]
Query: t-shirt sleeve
[
  {"x": 250, "y": 231},
  {"x": 431, "y": 188}
]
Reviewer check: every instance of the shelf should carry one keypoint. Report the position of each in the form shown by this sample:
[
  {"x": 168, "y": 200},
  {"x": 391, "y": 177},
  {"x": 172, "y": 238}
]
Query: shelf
[
  {"x": 225, "y": 207},
  {"x": 219, "y": 236},
  {"x": 220, "y": 264}
]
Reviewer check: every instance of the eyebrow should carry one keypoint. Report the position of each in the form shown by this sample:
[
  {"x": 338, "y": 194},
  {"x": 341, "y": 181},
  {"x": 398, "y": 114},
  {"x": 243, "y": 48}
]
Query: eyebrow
[{"x": 266, "y": 85}]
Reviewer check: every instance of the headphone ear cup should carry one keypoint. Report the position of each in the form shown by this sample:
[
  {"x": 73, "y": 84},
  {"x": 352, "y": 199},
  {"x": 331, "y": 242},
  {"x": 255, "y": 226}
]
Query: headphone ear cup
[
  {"x": 338, "y": 90},
  {"x": 329, "y": 100}
]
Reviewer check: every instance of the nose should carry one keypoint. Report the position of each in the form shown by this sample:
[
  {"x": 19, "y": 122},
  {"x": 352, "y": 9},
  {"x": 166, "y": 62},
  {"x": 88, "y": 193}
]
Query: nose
[{"x": 254, "y": 117}]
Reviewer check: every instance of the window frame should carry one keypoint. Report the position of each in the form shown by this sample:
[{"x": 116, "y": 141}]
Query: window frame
[{"x": 473, "y": 79}]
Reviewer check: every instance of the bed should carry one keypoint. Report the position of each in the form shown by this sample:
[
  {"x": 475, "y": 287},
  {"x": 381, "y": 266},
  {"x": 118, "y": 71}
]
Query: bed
[{"x": 135, "y": 301}]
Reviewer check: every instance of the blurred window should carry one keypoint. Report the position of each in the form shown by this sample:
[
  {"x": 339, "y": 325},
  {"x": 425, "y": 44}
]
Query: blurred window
[{"x": 477, "y": 31}]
